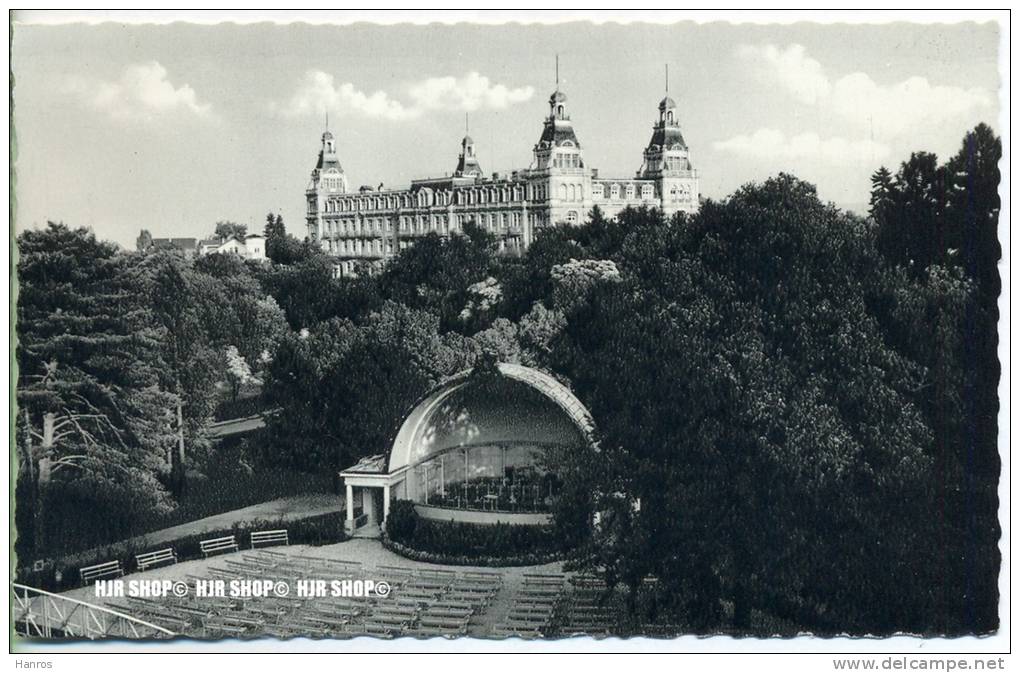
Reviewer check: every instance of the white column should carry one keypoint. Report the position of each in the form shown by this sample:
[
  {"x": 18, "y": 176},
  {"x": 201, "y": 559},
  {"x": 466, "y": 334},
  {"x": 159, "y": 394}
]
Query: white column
[
  {"x": 350, "y": 503},
  {"x": 385, "y": 502},
  {"x": 368, "y": 505}
]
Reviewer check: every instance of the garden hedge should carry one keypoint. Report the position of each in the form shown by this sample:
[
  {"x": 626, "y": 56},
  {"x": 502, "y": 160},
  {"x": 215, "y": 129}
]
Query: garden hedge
[{"x": 459, "y": 543}]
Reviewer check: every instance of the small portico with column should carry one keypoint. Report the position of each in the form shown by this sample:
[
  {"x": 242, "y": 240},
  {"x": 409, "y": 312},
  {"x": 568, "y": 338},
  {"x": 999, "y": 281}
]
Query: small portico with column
[{"x": 369, "y": 491}]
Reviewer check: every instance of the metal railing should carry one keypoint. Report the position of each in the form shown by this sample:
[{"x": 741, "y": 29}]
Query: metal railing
[{"x": 40, "y": 614}]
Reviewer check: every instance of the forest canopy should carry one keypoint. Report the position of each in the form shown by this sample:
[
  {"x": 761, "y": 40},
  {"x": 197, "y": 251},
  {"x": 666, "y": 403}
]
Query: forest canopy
[{"x": 796, "y": 405}]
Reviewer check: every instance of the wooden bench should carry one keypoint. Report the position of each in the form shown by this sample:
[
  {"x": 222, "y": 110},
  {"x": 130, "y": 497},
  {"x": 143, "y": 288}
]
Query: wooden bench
[
  {"x": 449, "y": 612},
  {"x": 222, "y": 574},
  {"x": 270, "y": 537},
  {"x": 419, "y": 595},
  {"x": 403, "y": 612},
  {"x": 447, "y": 604},
  {"x": 100, "y": 570},
  {"x": 526, "y": 624},
  {"x": 426, "y": 585},
  {"x": 153, "y": 558},
  {"x": 435, "y": 632},
  {"x": 523, "y": 608},
  {"x": 217, "y": 630},
  {"x": 588, "y": 581},
  {"x": 265, "y": 561},
  {"x": 477, "y": 589},
  {"x": 432, "y": 573},
  {"x": 536, "y": 579},
  {"x": 512, "y": 631},
  {"x": 218, "y": 544},
  {"x": 396, "y": 576},
  {"x": 443, "y": 623},
  {"x": 474, "y": 600},
  {"x": 373, "y": 629},
  {"x": 309, "y": 628},
  {"x": 247, "y": 566}
]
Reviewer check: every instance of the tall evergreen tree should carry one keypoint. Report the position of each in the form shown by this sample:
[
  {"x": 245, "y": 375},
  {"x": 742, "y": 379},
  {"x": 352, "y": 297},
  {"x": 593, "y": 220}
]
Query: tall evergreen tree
[
  {"x": 93, "y": 428},
  {"x": 188, "y": 309}
]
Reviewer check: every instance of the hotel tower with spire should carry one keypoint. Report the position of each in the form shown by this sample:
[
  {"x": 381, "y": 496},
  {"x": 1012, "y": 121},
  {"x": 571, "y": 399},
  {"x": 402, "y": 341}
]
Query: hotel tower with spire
[{"x": 559, "y": 187}]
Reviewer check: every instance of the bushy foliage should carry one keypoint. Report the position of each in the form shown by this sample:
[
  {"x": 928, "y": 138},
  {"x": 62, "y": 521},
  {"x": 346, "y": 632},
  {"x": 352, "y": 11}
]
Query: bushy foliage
[
  {"x": 796, "y": 406},
  {"x": 342, "y": 388},
  {"x": 468, "y": 543},
  {"x": 113, "y": 347},
  {"x": 92, "y": 414},
  {"x": 402, "y": 520},
  {"x": 436, "y": 274},
  {"x": 752, "y": 404},
  {"x": 938, "y": 228}
]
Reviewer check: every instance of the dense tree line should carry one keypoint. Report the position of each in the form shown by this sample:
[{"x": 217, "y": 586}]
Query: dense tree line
[
  {"x": 796, "y": 405},
  {"x": 122, "y": 358}
]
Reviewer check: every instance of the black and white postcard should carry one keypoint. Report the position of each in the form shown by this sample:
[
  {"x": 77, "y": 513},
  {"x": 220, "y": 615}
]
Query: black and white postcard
[{"x": 438, "y": 331}]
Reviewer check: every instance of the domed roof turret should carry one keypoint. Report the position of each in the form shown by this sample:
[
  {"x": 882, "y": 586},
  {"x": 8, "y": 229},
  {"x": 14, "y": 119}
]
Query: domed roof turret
[
  {"x": 467, "y": 163},
  {"x": 667, "y": 103},
  {"x": 327, "y": 155},
  {"x": 558, "y": 97}
]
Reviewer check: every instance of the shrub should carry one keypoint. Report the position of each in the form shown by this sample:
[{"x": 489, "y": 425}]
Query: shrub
[
  {"x": 402, "y": 520},
  {"x": 470, "y": 543},
  {"x": 461, "y": 560}
]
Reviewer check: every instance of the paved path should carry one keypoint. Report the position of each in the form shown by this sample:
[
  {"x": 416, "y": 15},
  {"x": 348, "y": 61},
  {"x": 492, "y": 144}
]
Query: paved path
[{"x": 236, "y": 426}]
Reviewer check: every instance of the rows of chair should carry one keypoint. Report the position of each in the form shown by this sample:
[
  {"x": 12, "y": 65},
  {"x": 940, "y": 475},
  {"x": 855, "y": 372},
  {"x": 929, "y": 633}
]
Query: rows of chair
[
  {"x": 588, "y": 608},
  {"x": 420, "y": 602},
  {"x": 533, "y": 606},
  {"x": 560, "y": 605}
]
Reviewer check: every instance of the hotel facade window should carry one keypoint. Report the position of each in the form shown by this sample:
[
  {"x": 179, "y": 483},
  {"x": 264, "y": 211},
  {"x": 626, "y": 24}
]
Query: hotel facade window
[{"x": 557, "y": 187}]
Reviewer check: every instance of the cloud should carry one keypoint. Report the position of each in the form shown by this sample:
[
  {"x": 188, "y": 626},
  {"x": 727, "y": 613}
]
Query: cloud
[
  {"x": 885, "y": 109},
  {"x": 319, "y": 92},
  {"x": 800, "y": 74},
  {"x": 469, "y": 93},
  {"x": 773, "y": 144},
  {"x": 143, "y": 91},
  {"x": 906, "y": 105}
]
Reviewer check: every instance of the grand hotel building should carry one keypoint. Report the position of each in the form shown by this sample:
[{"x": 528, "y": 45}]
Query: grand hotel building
[{"x": 375, "y": 224}]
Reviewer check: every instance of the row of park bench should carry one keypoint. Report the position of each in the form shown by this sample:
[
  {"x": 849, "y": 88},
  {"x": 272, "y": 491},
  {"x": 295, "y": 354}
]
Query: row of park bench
[{"x": 111, "y": 569}]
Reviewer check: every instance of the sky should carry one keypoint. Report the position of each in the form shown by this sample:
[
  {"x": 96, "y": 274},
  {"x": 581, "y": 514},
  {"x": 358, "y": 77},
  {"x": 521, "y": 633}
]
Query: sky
[{"x": 173, "y": 127}]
